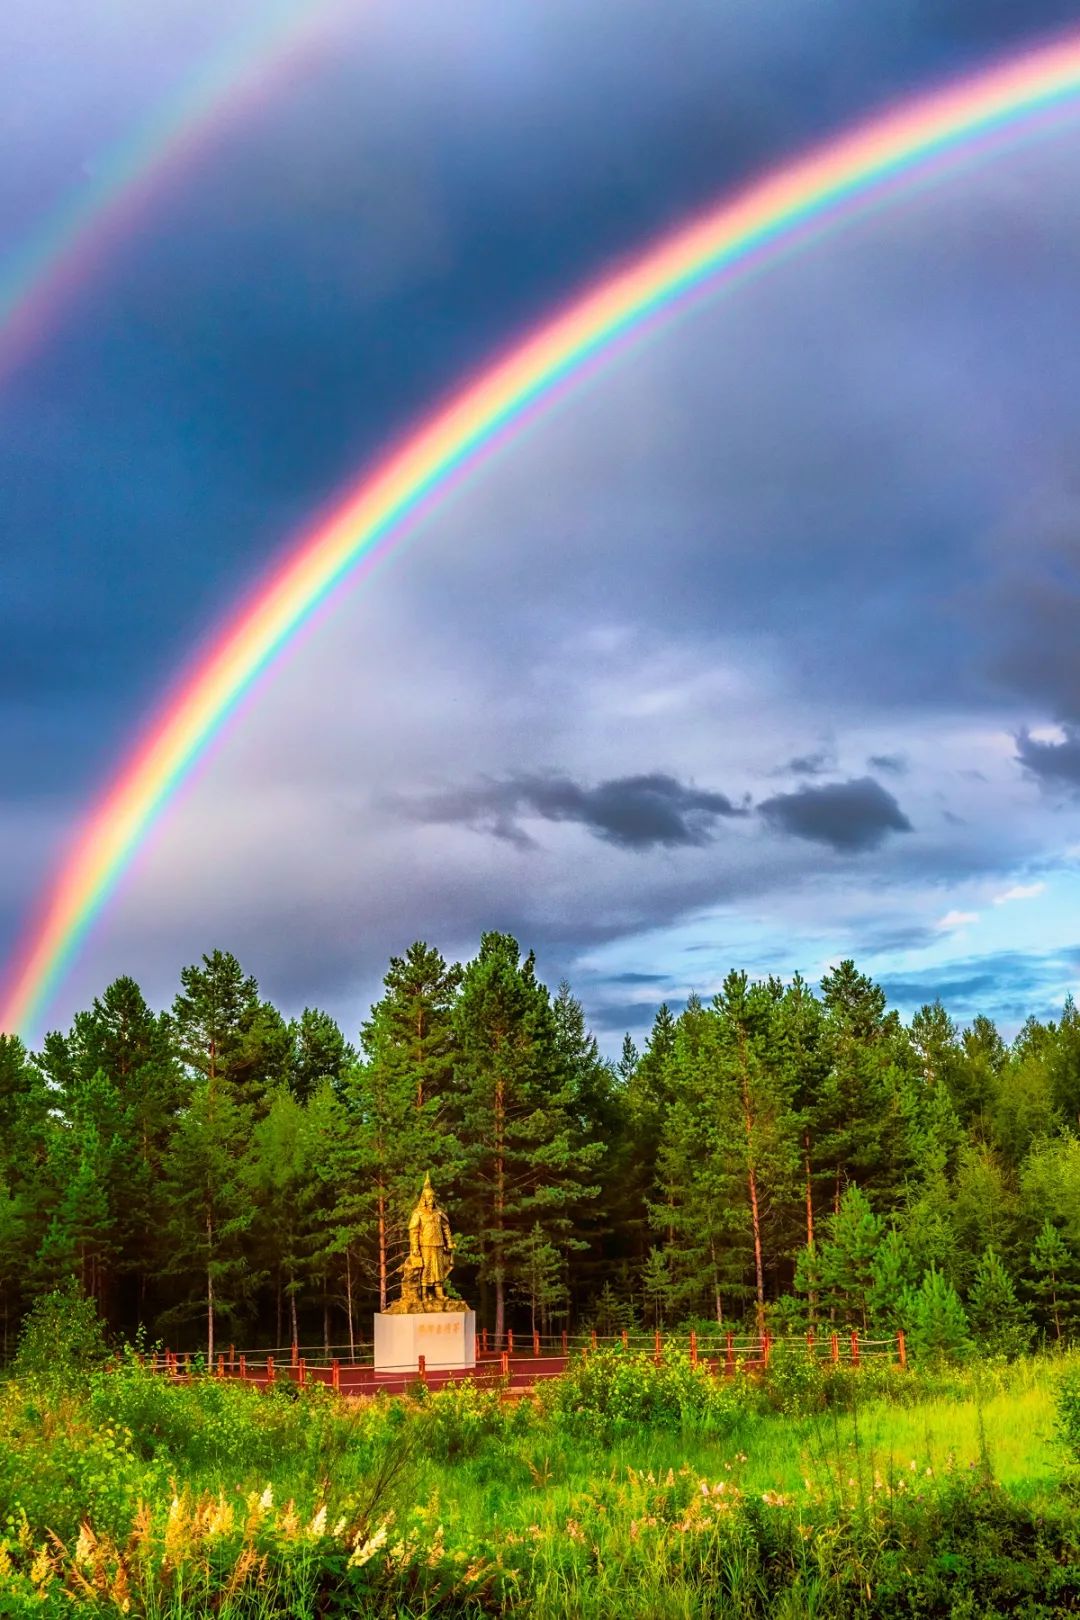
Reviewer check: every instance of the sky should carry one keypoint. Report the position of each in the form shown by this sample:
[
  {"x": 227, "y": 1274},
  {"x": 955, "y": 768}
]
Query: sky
[{"x": 759, "y": 650}]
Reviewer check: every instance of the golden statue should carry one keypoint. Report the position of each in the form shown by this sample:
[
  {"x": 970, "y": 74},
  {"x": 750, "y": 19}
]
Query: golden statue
[{"x": 430, "y": 1259}]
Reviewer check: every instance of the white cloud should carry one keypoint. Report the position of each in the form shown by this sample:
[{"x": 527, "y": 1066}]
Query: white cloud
[
  {"x": 956, "y": 919},
  {"x": 1019, "y": 891}
]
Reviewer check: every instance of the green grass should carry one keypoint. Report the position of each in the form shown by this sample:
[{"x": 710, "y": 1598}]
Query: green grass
[{"x": 625, "y": 1492}]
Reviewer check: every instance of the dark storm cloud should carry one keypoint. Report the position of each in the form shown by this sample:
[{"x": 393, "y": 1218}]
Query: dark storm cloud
[
  {"x": 848, "y": 816},
  {"x": 633, "y": 812},
  {"x": 1055, "y": 764},
  {"x": 637, "y": 978}
]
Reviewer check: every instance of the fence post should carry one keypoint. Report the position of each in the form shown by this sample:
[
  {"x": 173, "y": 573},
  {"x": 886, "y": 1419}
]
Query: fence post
[
  {"x": 510, "y": 1340},
  {"x": 504, "y": 1363},
  {"x": 536, "y": 1343},
  {"x": 729, "y": 1356},
  {"x": 766, "y": 1349},
  {"x": 565, "y": 1351},
  {"x": 221, "y": 1366},
  {"x": 693, "y": 1348},
  {"x": 594, "y": 1338},
  {"x": 422, "y": 1368},
  {"x": 335, "y": 1376},
  {"x": 269, "y": 1370},
  {"x": 232, "y": 1358},
  {"x": 243, "y": 1369},
  {"x": 187, "y": 1364},
  {"x": 855, "y": 1348},
  {"x": 301, "y": 1371},
  {"x": 483, "y": 1340},
  {"x": 625, "y": 1340},
  {"x": 835, "y": 1348},
  {"x": 901, "y": 1345},
  {"x": 656, "y": 1348}
]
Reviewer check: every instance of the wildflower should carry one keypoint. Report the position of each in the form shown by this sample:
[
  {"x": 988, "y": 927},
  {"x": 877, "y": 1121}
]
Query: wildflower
[
  {"x": 362, "y": 1554},
  {"x": 84, "y": 1547},
  {"x": 704, "y": 1488},
  {"x": 339, "y": 1528},
  {"x": 41, "y": 1569},
  {"x": 317, "y": 1527},
  {"x": 574, "y": 1530},
  {"x": 266, "y": 1500}
]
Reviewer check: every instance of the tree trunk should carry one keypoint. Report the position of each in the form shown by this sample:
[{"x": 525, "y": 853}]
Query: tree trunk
[
  {"x": 325, "y": 1321},
  {"x": 752, "y": 1189},
  {"x": 278, "y": 1330},
  {"x": 382, "y": 1248},
  {"x": 292, "y": 1313},
  {"x": 348, "y": 1303},
  {"x": 812, "y": 1297},
  {"x": 500, "y": 1207}
]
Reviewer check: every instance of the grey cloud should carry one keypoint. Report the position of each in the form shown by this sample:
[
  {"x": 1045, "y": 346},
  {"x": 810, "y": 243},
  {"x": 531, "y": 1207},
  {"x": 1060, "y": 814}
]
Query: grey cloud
[
  {"x": 634, "y": 812},
  {"x": 889, "y": 762},
  {"x": 848, "y": 816},
  {"x": 806, "y": 764},
  {"x": 1004, "y": 984},
  {"x": 1055, "y": 764}
]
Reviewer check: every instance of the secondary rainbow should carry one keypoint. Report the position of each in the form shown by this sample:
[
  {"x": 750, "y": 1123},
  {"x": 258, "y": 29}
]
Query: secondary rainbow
[
  {"x": 44, "y": 271},
  {"x": 762, "y": 220}
]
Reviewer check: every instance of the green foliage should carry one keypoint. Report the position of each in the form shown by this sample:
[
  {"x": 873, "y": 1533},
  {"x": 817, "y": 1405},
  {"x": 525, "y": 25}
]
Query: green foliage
[
  {"x": 999, "y": 1323},
  {"x": 62, "y": 1341},
  {"x": 609, "y": 1392},
  {"x": 939, "y": 1327}
]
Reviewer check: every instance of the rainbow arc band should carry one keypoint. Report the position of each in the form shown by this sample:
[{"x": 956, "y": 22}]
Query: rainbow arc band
[{"x": 758, "y": 224}]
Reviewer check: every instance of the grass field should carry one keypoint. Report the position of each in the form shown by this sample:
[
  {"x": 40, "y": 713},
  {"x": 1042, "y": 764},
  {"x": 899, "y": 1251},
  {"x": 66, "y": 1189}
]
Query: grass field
[{"x": 622, "y": 1491}]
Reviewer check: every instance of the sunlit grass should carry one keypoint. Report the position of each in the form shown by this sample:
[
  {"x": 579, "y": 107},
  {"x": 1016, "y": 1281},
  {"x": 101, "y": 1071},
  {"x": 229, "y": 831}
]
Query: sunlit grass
[{"x": 166, "y": 1501}]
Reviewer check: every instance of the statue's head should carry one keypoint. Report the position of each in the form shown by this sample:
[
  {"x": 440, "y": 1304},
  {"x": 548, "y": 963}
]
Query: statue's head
[{"x": 427, "y": 1195}]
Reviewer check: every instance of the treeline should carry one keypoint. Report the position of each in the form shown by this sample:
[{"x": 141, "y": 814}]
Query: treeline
[{"x": 778, "y": 1158}]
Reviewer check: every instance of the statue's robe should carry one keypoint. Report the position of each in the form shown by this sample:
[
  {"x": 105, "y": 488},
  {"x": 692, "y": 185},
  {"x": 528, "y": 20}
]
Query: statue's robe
[{"x": 429, "y": 1236}]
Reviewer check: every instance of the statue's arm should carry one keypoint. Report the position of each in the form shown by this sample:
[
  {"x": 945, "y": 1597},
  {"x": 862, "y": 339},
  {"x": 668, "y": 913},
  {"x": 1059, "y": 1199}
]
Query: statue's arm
[{"x": 414, "y": 1232}]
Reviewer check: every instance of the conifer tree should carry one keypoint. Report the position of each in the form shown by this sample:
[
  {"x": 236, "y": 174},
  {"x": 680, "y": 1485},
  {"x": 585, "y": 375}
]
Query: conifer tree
[
  {"x": 999, "y": 1323},
  {"x": 526, "y": 1162},
  {"x": 939, "y": 1328},
  {"x": 893, "y": 1272},
  {"x": 1054, "y": 1279},
  {"x": 848, "y": 1255},
  {"x": 399, "y": 1098}
]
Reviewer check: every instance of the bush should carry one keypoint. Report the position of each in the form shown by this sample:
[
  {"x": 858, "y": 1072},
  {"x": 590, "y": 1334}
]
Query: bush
[
  {"x": 1068, "y": 1413},
  {"x": 611, "y": 1391},
  {"x": 62, "y": 1341}
]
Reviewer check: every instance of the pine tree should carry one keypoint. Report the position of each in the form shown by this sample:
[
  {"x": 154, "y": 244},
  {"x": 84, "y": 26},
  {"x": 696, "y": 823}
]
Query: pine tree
[
  {"x": 399, "y": 1097},
  {"x": 1054, "y": 1279},
  {"x": 999, "y": 1322},
  {"x": 893, "y": 1273},
  {"x": 848, "y": 1255},
  {"x": 540, "y": 1280},
  {"x": 938, "y": 1324},
  {"x": 319, "y": 1052},
  {"x": 526, "y": 1161},
  {"x": 225, "y": 1032},
  {"x": 208, "y": 1210}
]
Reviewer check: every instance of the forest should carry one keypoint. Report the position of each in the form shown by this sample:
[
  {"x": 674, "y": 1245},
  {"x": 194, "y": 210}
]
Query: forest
[{"x": 777, "y": 1158}]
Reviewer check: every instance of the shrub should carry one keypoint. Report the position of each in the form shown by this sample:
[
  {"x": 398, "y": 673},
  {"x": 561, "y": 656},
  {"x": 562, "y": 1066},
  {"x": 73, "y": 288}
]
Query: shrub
[{"x": 62, "y": 1341}]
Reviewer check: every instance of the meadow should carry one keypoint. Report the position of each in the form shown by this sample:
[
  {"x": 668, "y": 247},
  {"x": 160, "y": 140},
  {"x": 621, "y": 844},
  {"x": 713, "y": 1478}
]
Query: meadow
[{"x": 621, "y": 1489}]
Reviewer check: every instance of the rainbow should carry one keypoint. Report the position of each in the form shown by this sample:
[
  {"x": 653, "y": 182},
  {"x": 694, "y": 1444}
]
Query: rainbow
[
  {"x": 55, "y": 258},
  {"x": 763, "y": 220}
]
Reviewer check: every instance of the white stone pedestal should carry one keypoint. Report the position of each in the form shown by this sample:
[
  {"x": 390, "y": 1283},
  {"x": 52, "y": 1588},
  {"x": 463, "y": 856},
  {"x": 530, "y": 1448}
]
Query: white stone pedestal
[{"x": 443, "y": 1338}]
